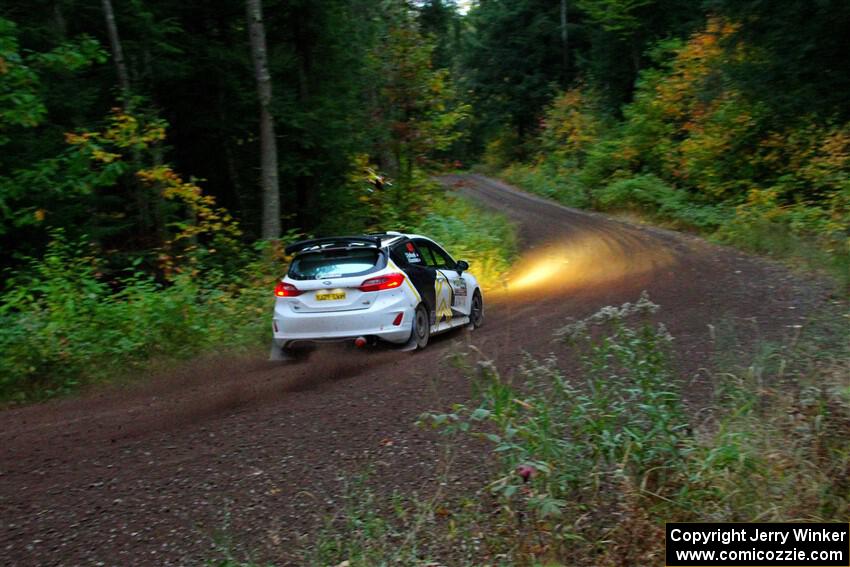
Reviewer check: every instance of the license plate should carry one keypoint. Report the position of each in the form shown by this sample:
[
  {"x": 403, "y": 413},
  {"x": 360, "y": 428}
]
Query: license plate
[{"x": 329, "y": 296}]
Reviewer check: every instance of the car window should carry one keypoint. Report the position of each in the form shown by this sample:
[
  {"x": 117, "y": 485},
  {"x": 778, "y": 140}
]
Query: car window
[
  {"x": 435, "y": 256},
  {"x": 336, "y": 264},
  {"x": 427, "y": 256},
  {"x": 442, "y": 257},
  {"x": 406, "y": 253},
  {"x": 397, "y": 255}
]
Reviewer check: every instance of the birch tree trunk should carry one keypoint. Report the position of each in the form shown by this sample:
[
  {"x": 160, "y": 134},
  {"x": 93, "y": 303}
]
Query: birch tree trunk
[
  {"x": 117, "y": 52},
  {"x": 268, "y": 146}
]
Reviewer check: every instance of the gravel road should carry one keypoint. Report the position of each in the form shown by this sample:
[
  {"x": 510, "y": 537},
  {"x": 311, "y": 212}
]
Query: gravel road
[{"x": 154, "y": 473}]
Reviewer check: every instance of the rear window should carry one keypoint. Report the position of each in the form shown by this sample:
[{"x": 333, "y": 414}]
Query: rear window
[
  {"x": 336, "y": 264},
  {"x": 405, "y": 253}
]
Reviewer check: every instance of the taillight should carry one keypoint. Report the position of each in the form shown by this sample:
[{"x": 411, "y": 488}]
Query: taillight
[
  {"x": 283, "y": 289},
  {"x": 389, "y": 281}
]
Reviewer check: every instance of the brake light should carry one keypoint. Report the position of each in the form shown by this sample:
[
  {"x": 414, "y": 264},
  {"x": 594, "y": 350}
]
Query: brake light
[
  {"x": 286, "y": 290},
  {"x": 389, "y": 281}
]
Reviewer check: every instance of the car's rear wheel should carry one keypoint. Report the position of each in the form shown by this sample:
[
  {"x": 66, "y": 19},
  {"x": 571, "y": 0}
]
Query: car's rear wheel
[
  {"x": 476, "y": 312},
  {"x": 421, "y": 327}
]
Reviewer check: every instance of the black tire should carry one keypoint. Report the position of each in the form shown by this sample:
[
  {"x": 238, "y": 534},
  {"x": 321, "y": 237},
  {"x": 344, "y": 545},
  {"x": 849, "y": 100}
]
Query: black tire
[
  {"x": 421, "y": 327},
  {"x": 476, "y": 311}
]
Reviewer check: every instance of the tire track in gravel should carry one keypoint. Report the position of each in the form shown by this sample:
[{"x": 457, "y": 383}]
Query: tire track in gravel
[{"x": 150, "y": 473}]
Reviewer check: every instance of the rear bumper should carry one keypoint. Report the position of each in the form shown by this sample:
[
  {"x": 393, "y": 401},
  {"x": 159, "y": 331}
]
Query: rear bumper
[{"x": 377, "y": 321}]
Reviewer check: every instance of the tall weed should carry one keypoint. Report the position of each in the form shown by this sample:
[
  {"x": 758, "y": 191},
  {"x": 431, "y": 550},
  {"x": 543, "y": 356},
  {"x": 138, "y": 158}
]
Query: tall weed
[{"x": 593, "y": 465}]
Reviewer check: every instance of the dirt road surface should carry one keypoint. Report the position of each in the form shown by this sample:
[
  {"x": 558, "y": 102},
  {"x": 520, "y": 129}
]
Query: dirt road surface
[{"x": 256, "y": 451}]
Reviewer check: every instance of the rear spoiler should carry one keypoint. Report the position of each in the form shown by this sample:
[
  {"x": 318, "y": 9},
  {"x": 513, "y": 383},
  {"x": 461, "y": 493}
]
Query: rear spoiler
[{"x": 334, "y": 242}]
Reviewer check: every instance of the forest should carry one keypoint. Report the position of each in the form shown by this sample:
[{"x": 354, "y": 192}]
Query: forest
[
  {"x": 153, "y": 152},
  {"x": 684, "y": 356}
]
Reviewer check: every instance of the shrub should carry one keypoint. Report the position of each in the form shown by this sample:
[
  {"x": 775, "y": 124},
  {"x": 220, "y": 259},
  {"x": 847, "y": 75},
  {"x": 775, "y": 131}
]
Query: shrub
[
  {"x": 572, "y": 124},
  {"x": 62, "y": 324},
  {"x": 649, "y": 195},
  {"x": 567, "y": 450},
  {"x": 547, "y": 180}
]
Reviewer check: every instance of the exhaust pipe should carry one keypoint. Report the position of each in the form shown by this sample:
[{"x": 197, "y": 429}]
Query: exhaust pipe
[
  {"x": 278, "y": 353},
  {"x": 360, "y": 342}
]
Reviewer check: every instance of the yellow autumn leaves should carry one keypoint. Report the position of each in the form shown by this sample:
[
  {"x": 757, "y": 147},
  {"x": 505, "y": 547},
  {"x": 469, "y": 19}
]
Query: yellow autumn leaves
[{"x": 127, "y": 141}]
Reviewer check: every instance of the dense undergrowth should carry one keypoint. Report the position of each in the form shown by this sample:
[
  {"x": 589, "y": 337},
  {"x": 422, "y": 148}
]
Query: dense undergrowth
[
  {"x": 64, "y": 324},
  {"x": 589, "y": 465},
  {"x": 694, "y": 152}
]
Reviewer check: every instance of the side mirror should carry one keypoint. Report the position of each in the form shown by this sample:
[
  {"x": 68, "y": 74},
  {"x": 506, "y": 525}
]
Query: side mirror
[{"x": 461, "y": 266}]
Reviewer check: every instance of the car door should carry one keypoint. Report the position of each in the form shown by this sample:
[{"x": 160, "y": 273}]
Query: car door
[
  {"x": 461, "y": 298},
  {"x": 407, "y": 256},
  {"x": 450, "y": 288}
]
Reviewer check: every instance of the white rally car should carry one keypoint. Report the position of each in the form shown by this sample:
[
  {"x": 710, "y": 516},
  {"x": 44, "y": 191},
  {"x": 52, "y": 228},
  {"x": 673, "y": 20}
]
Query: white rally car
[{"x": 393, "y": 287}]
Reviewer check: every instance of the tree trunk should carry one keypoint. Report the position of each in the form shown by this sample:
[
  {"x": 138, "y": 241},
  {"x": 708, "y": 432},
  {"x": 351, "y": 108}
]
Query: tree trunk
[
  {"x": 150, "y": 225},
  {"x": 565, "y": 47},
  {"x": 117, "y": 52},
  {"x": 304, "y": 184},
  {"x": 268, "y": 145},
  {"x": 59, "y": 21},
  {"x": 635, "y": 49}
]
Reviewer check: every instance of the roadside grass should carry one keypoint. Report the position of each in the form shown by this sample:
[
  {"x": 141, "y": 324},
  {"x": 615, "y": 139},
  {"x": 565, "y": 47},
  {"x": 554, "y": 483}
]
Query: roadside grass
[
  {"x": 776, "y": 240},
  {"x": 367, "y": 531},
  {"x": 591, "y": 464},
  {"x": 64, "y": 326}
]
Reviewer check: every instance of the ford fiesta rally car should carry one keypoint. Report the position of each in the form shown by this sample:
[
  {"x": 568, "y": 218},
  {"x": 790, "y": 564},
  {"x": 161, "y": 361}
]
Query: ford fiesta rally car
[{"x": 392, "y": 287}]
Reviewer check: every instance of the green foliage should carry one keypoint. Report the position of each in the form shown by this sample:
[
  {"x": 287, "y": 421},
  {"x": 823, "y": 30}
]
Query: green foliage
[
  {"x": 549, "y": 180},
  {"x": 363, "y": 83},
  {"x": 618, "y": 16},
  {"x": 19, "y": 96},
  {"x": 573, "y": 124},
  {"x": 564, "y": 448},
  {"x": 780, "y": 448},
  {"x": 23, "y": 108},
  {"x": 418, "y": 108},
  {"x": 511, "y": 62},
  {"x": 63, "y": 326},
  {"x": 517, "y": 54},
  {"x": 800, "y": 48},
  {"x": 805, "y": 235},
  {"x": 652, "y": 197}
]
